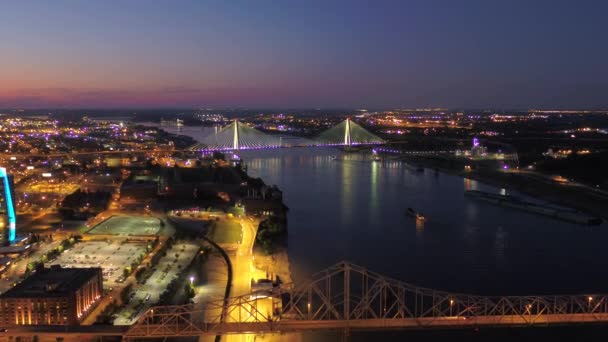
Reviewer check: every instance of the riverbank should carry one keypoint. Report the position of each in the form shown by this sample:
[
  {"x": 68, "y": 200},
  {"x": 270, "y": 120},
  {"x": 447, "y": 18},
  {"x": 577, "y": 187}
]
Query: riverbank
[
  {"x": 275, "y": 266},
  {"x": 560, "y": 194}
]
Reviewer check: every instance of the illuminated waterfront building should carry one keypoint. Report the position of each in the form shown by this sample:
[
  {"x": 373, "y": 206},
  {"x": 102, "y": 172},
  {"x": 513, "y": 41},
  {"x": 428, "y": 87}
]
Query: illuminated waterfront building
[
  {"x": 52, "y": 296},
  {"x": 477, "y": 149},
  {"x": 8, "y": 217}
]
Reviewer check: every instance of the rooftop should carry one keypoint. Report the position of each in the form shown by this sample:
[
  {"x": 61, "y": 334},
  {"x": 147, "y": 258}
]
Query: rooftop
[{"x": 52, "y": 282}]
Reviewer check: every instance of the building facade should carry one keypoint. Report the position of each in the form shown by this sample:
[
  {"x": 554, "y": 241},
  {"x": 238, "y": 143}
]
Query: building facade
[{"x": 52, "y": 296}]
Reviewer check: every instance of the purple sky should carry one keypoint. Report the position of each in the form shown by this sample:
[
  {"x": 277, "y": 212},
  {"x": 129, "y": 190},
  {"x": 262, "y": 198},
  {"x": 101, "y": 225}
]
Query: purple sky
[{"x": 313, "y": 53}]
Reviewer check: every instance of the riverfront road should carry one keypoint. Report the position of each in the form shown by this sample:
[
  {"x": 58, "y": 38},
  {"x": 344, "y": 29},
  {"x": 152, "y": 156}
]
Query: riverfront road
[{"x": 244, "y": 272}]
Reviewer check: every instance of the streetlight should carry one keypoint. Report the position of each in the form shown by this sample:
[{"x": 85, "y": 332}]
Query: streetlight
[
  {"x": 191, "y": 280},
  {"x": 451, "y": 304}
]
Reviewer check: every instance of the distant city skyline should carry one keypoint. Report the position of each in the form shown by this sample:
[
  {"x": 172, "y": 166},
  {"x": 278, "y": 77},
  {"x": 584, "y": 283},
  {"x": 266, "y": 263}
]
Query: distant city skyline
[{"x": 314, "y": 54}]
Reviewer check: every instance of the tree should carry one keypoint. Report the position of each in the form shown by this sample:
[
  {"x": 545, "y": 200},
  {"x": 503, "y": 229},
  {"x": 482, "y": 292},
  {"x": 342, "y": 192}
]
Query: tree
[{"x": 189, "y": 290}]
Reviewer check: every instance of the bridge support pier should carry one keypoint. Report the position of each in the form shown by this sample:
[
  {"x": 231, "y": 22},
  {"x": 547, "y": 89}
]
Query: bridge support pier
[{"x": 345, "y": 335}]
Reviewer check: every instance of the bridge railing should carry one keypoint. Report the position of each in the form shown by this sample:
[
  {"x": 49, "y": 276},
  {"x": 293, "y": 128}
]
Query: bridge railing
[
  {"x": 350, "y": 296},
  {"x": 350, "y": 292}
]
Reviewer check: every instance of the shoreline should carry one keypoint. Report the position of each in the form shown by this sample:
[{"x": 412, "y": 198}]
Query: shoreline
[
  {"x": 557, "y": 194},
  {"x": 276, "y": 265}
]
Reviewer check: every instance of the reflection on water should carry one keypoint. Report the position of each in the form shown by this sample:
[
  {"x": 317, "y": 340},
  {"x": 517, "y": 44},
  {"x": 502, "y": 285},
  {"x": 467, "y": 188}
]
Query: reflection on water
[
  {"x": 347, "y": 181},
  {"x": 471, "y": 184},
  {"x": 373, "y": 192},
  {"x": 500, "y": 242},
  {"x": 419, "y": 229},
  {"x": 353, "y": 208}
]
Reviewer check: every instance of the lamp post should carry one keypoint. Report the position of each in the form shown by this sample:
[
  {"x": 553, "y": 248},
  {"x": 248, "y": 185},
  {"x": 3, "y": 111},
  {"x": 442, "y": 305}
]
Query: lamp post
[{"x": 451, "y": 305}]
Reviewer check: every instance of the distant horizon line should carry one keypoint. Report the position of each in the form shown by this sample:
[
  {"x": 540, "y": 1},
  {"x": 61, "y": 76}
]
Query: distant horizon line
[{"x": 278, "y": 108}]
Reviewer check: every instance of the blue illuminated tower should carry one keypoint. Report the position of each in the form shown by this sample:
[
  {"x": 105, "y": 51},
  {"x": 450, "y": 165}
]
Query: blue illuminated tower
[{"x": 8, "y": 217}]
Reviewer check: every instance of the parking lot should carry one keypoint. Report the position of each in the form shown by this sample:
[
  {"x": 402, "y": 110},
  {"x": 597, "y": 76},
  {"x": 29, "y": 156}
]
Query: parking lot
[
  {"x": 113, "y": 257},
  {"x": 169, "y": 267},
  {"x": 18, "y": 267},
  {"x": 128, "y": 225}
]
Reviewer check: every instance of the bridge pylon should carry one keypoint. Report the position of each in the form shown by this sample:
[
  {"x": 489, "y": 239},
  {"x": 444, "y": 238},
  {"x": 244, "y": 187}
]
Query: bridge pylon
[
  {"x": 235, "y": 139},
  {"x": 347, "y": 133},
  {"x": 237, "y": 136},
  {"x": 347, "y": 140}
]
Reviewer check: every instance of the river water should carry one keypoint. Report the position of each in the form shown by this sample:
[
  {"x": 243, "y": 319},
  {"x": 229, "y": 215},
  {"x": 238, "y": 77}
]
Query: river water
[{"x": 352, "y": 208}]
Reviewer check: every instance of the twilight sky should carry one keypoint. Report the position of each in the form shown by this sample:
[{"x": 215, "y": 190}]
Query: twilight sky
[{"x": 305, "y": 53}]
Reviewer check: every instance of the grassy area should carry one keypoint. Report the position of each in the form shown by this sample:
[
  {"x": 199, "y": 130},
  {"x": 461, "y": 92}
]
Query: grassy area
[{"x": 226, "y": 231}]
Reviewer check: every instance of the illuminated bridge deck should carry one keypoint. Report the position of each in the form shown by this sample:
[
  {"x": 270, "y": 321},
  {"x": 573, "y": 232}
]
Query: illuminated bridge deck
[
  {"x": 239, "y": 136},
  {"x": 345, "y": 297}
]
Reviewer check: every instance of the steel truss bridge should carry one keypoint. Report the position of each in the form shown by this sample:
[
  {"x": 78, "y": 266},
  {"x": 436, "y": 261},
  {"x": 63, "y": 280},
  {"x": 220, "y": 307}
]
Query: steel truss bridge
[
  {"x": 348, "y": 297},
  {"x": 344, "y": 297},
  {"x": 239, "y": 136}
]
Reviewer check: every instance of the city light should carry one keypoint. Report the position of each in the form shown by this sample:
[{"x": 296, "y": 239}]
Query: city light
[
  {"x": 253, "y": 151},
  {"x": 10, "y": 209}
]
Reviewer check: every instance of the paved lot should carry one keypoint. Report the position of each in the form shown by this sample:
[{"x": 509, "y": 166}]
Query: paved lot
[
  {"x": 148, "y": 294},
  {"x": 113, "y": 257},
  {"x": 18, "y": 267},
  {"x": 128, "y": 225}
]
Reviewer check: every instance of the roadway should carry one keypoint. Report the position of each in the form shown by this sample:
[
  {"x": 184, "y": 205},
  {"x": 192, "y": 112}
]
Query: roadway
[
  {"x": 76, "y": 333},
  {"x": 243, "y": 271},
  {"x": 241, "y": 259}
]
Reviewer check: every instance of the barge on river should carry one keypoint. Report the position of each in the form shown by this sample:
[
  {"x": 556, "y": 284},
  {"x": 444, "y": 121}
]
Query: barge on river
[{"x": 545, "y": 210}]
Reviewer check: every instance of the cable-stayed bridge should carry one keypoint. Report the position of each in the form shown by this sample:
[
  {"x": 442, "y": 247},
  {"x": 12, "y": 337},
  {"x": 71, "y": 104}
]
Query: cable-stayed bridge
[{"x": 239, "y": 136}]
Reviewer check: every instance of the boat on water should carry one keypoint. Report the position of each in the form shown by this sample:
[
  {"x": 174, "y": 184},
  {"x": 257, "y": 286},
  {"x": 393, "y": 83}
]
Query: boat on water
[
  {"x": 334, "y": 157},
  {"x": 413, "y": 213},
  {"x": 377, "y": 159}
]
